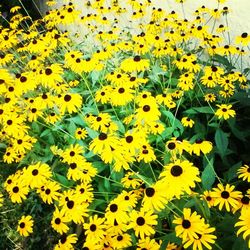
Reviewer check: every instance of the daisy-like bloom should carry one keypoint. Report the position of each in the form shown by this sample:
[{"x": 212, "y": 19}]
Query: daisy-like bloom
[
  {"x": 75, "y": 209},
  {"x": 134, "y": 64},
  {"x": 73, "y": 154},
  {"x": 147, "y": 243},
  {"x": 201, "y": 146},
  {"x": 95, "y": 229},
  {"x": 189, "y": 226},
  {"x": 130, "y": 180},
  {"x": 210, "y": 97},
  {"x": 178, "y": 177},
  {"x": 243, "y": 203},
  {"x": 224, "y": 111},
  {"x": 155, "y": 197},
  {"x": 121, "y": 241},
  {"x": 244, "y": 224},
  {"x": 143, "y": 222},
  {"x": 171, "y": 246},
  {"x": 66, "y": 242},
  {"x": 116, "y": 211},
  {"x": 69, "y": 102},
  {"x": 128, "y": 198},
  {"x": 121, "y": 95},
  {"x": 104, "y": 142},
  {"x": 85, "y": 191},
  {"x": 225, "y": 196},
  {"x": 59, "y": 221},
  {"x": 187, "y": 122},
  {"x": 25, "y": 225},
  {"x": 208, "y": 198},
  {"x": 36, "y": 175},
  {"x": 18, "y": 192},
  {"x": 244, "y": 173},
  {"x": 51, "y": 75},
  {"x": 243, "y": 39},
  {"x": 204, "y": 239},
  {"x": 81, "y": 133},
  {"x": 49, "y": 191},
  {"x": 176, "y": 146}
]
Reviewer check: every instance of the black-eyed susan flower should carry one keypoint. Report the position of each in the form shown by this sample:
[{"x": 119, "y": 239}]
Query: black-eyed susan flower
[
  {"x": 225, "y": 196},
  {"x": 85, "y": 191},
  {"x": 81, "y": 133},
  {"x": 243, "y": 203},
  {"x": 72, "y": 154},
  {"x": 143, "y": 223},
  {"x": 205, "y": 239},
  {"x": 59, "y": 221},
  {"x": 155, "y": 197},
  {"x": 66, "y": 242},
  {"x": 243, "y": 39},
  {"x": 187, "y": 122},
  {"x": 49, "y": 191},
  {"x": 224, "y": 111},
  {"x": 244, "y": 224},
  {"x": 95, "y": 228},
  {"x": 69, "y": 102},
  {"x": 121, "y": 240},
  {"x": 201, "y": 146},
  {"x": 25, "y": 225},
  {"x": 116, "y": 210},
  {"x": 171, "y": 246},
  {"x": 244, "y": 172},
  {"x": 36, "y": 175},
  {"x": 210, "y": 97},
  {"x": 134, "y": 64},
  {"x": 18, "y": 192},
  {"x": 148, "y": 243},
  {"x": 130, "y": 180},
  {"x": 75, "y": 209},
  {"x": 208, "y": 198},
  {"x": 178, "y": 177},
  {"x": 189, "y": 226}
]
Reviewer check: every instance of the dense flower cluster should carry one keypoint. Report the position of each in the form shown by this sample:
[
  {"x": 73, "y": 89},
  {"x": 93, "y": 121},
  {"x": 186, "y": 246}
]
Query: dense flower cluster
[{"x": 109, "y": 132}]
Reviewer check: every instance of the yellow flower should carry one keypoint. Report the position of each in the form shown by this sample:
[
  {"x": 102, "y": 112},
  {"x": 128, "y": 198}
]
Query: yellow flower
[
  {"x": 244, "y": 173},
  {"x": 25, "y": 225},
  {"x": 59, "y": 221},
  {"x": 201, "y": 146},
  {"x": 244, "y": 224},
  {"x": 142, "y": 222},
  {"x": 224, "y": 111},
  {"x": 189, "y": 226},
  {"x": 187, "y": 122},
  {"x": 225, "y": 196}
]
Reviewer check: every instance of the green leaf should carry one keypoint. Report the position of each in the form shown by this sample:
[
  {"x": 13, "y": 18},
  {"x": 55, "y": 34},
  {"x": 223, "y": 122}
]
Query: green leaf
[
  {"x": 92, "y": 133},
  {"x": 205, "y": 110},
  {"x": 232, "y": 172},
  {"x": 208, "y": 175},
  {"x": 221, "y": 141},
  {"x": 63, "y": 180}
]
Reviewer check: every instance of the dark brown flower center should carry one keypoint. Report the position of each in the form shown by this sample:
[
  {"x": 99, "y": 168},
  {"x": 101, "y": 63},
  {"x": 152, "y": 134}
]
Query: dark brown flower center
[
  {"x": 186, "y": 224},
  {"x": 150, "y": 192},
  {"x": 92, "y": 227},
  {"x": 225, "y": 194},
  {"x": 140, "y": 221},
  {"x": 176, "y": 170},
  {"x": 113, "y": 208}
]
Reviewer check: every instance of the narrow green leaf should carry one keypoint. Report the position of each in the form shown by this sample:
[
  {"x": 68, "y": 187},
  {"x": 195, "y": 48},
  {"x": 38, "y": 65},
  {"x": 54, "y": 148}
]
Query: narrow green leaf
[
  {"x": 221, "y": 141},
  {"x": 208, "y": 176}
]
